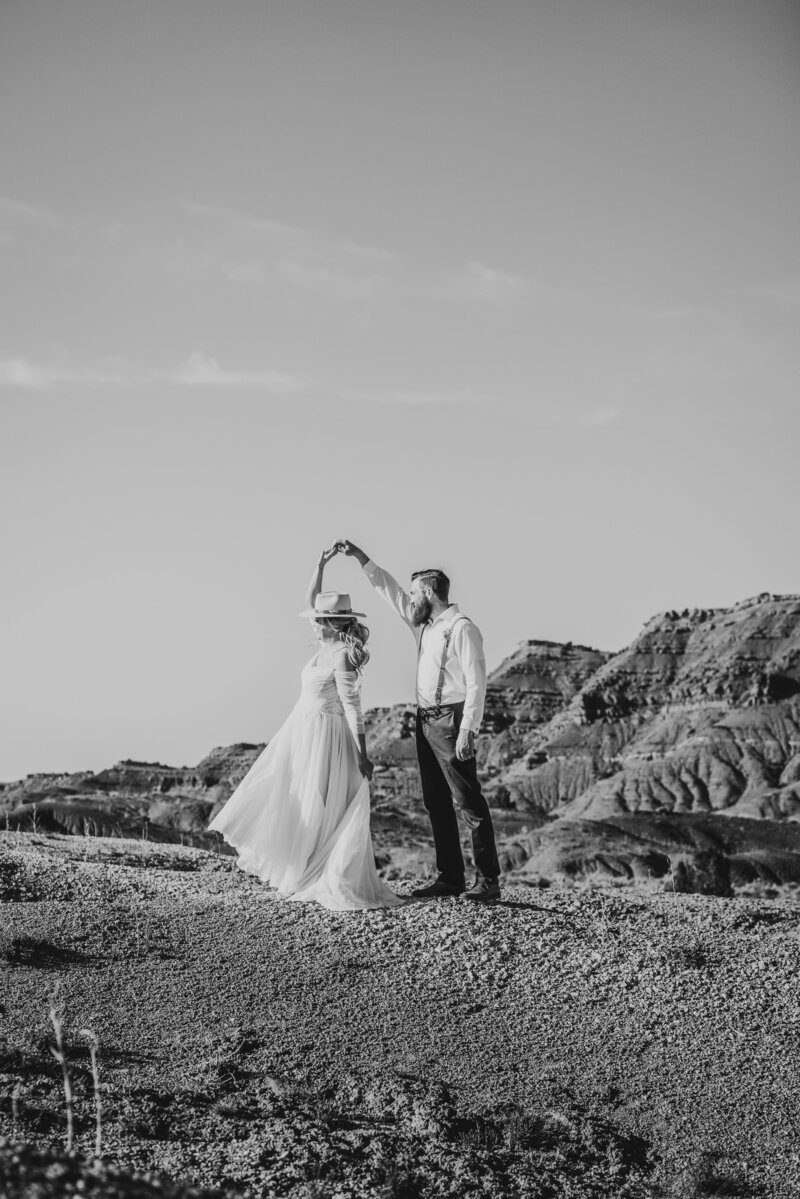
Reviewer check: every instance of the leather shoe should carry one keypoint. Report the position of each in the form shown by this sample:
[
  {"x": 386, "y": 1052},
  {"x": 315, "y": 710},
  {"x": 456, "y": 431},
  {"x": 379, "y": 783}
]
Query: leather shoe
[
  {"x": 484, "y": 890},
  {"x": 438, "y": 890}
]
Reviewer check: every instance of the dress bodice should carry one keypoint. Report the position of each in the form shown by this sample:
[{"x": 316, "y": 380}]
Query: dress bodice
[
  {"x": 318, "y": 683},
  {"x": 325, "y": 689}
]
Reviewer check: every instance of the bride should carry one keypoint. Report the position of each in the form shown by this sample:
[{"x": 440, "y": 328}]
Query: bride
[{"x": 299, "y": 818}]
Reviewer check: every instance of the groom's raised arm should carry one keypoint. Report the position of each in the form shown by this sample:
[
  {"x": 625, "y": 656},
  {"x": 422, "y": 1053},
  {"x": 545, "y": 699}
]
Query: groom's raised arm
[{"x": 387, "y": 587}]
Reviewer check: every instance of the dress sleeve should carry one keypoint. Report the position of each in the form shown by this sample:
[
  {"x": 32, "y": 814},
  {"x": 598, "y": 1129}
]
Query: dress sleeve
[{"x": 348, "y": 684}]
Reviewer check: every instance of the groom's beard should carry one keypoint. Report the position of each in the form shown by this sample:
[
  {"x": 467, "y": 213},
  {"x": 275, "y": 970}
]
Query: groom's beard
[{"x": 422, "y": 612}]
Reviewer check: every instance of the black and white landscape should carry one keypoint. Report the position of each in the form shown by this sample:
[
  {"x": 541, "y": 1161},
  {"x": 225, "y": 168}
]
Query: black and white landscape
[
  {"x": 676, "y": 759},
  {"x": 502, "y": 293},
  {"x": 621, "y": 1024}
]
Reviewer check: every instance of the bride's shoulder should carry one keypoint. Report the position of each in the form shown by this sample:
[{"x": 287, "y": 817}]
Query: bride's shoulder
[
  {"x": 343, "y": 663},
  {"x": 330, "y": 655}
]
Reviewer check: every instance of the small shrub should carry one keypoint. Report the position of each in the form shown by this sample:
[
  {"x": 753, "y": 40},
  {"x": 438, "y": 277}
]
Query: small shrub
[
  {"x": 308, "y": 1190},
  {"x": 690, "y": 954},
  {"x": 479, "y": 1133},
  {"x": 698, "y": 1178}
]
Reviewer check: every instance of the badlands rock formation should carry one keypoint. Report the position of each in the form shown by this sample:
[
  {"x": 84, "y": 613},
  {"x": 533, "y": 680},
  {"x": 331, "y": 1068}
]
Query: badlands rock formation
[
  {"x": 530, "y": 687},
  {"x": 131, "y": 799},
  {"x": 643, "y": 771},
  {"x": 631, "y": 764},
  {"x": 700, "y": 714}
]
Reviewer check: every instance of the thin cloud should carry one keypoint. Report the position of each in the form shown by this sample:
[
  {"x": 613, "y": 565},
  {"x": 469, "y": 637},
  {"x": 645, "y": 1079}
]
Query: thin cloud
[
  {"x": 691, "y": 312},
  {"x": 597, "y": 418},
  {"x": 251, "y": 272},
  {"x": 314, "y": 243},
  {"x": 19, "y": 220},
  {"x": 19, "y": 211},
  {"x": 370, "y": 253},
  {"x": 270, "y": 263},
  {"x": 201, "y": 370},
  {"x": 324, "y": 281},
  {"x": 410, "y": 398},
  {"x": 575, "y": 418},
  {"x": 19, "y": 372},
  {"x": 244, "y": 220},
  {"x": 483, "y": 285},
  {"x": 255, "y": 251},
  {"x": 318, "y": 239},
  {"x": 251, "y": 251}
]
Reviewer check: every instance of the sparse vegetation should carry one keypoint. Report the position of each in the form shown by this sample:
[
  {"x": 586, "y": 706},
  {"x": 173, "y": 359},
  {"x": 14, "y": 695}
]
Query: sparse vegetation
[
  {"x": 56, "y": 1019},
  {"x": 94, "y": 1051},
  {"x": 576, "y": 1042}
]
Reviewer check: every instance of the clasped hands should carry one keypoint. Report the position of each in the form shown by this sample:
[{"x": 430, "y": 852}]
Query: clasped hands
[
  {"x": 465, "y": 742},
  {"x": 340, "y": 546}
]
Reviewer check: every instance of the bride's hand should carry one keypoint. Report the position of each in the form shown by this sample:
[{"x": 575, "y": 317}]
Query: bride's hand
[
  {"x": 365, "y": 766},
  {"x": 326, "y": 555}
]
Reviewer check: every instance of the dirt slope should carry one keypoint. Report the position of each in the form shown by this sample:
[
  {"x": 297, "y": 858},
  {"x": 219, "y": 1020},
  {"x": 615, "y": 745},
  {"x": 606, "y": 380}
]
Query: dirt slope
[{"x": 565, "y": 1043}]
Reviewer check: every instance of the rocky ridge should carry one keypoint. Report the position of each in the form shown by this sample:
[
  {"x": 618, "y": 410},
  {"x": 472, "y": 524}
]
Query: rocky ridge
[
  {"x": 701, "y": 713},
  {"x": 139, "y": 799},
  {"x": 697, "y": 721}
]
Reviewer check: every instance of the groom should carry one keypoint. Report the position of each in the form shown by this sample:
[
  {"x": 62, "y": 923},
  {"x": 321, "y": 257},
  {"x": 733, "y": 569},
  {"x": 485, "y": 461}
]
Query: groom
[{"x": 451, "y": 688}]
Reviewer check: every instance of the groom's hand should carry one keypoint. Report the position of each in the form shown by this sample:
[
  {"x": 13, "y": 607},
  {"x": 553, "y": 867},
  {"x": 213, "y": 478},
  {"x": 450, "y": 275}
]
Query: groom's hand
[
  {"x": 465, "y": 745},
  {"x": 351, "y": 549}
]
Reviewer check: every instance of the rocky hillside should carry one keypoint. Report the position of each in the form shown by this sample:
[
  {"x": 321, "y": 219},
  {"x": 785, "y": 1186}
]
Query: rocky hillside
[
  {"x": 699, "y": 719},
  {"x": 700, "y": 714},
  {"x": 530, "y": 687},
  {"x": 175, "y": 804},
  {"x": 593, "y": 1043},
  {"x": 131, "y": 799},
  {"x": 528, "y": 690}
]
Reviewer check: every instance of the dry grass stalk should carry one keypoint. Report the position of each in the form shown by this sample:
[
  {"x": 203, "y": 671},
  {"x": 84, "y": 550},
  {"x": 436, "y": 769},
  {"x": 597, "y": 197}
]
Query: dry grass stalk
[
  {"x": 94, "y": 1047},
  {"x": 672, "y": 879},
  {"x": 56, "y": 1019}
]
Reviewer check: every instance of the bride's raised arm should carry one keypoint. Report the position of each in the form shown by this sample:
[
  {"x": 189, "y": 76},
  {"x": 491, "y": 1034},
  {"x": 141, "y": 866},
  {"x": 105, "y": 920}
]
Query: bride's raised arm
[{"x": 315, "y": 583}]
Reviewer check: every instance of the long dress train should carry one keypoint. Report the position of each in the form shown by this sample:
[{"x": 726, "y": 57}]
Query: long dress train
[{"x": 299, "y": 818}]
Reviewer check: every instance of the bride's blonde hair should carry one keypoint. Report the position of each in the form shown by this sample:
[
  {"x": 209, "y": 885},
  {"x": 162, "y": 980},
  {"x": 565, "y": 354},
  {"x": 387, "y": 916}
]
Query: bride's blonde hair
[{"x": 354, "y": 635}]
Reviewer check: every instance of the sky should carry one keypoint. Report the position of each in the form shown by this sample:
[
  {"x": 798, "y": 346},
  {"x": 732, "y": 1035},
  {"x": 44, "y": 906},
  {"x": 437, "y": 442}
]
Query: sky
[{"x": 512, "y": 289}]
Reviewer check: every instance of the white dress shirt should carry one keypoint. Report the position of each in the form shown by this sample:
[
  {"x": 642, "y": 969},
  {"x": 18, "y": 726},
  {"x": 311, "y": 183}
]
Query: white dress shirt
[{"x": 465, "y": 664}]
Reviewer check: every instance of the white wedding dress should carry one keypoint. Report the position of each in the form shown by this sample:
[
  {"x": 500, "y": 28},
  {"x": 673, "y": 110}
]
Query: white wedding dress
[{"x": 299, "y": 818}]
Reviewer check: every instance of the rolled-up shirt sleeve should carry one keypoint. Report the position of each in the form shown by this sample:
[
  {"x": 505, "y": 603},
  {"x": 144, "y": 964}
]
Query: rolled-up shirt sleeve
[
  {"x": 390, "y": 591},
  {"x": 469, "y": 650},
  {"x": 348, "y": 684}
]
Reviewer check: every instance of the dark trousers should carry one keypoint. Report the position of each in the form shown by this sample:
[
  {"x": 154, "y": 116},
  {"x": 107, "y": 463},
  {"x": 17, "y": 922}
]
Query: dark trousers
[{"x": 447, "y": 781}]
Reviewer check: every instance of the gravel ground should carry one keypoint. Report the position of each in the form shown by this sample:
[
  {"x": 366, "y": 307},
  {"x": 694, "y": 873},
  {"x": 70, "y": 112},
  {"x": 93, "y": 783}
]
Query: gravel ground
[{"x": 566, "y": 1042}]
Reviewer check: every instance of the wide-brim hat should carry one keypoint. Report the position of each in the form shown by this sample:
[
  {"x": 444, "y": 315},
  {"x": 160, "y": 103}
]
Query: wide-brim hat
[{"x": 332, "y": 605}]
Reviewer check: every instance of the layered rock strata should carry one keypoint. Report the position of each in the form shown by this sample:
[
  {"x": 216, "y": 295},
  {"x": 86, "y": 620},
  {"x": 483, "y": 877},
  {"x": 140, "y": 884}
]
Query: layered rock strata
[
  {"x": 700, "y": 714},
  {"x": 590, "y": 753}
]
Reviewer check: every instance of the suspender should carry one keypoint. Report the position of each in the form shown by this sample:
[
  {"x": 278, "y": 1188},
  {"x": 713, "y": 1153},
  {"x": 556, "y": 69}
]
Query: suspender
[{"x": 448, "y": 633}]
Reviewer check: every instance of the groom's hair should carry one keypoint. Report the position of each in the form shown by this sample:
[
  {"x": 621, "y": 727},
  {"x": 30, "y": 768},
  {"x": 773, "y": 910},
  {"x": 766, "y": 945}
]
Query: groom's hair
[{"x": 437, "y": 580}]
